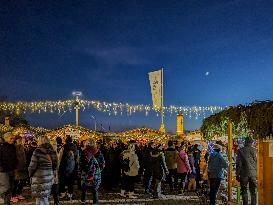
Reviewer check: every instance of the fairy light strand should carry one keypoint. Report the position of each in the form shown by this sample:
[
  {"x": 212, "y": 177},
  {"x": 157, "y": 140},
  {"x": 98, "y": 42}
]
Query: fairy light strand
[{"x": 112, "y": 108}]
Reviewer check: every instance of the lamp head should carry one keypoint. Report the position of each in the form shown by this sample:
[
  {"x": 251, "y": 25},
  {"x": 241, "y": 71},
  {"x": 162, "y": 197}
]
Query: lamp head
[{"x": 76, "y": 93}]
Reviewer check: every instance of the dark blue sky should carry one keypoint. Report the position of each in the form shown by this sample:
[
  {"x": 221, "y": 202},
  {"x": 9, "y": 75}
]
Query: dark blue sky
[{"x": 106, "y": 48}]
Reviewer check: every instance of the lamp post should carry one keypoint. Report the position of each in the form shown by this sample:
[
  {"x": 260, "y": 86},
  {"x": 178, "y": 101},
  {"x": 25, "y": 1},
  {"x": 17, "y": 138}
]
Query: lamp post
[
  {"x": 76, "y": 103},
  {"x": 92, "y": 116}
]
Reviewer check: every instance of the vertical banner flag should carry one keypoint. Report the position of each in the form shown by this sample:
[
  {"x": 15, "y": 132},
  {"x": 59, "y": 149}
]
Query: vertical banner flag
[{"x": 155, "y": 83}]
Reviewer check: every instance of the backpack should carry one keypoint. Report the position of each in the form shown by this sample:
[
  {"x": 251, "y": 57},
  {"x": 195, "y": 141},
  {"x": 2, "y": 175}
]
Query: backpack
[
  {"x": 70, "y": 163},
  {"x": 125, "y": 163}
]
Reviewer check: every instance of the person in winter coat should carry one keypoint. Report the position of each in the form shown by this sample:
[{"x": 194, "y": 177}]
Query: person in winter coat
[
  {"x": 41, "y": 170},
  {"x": 112, "y": 169},
  {"x": 246, "y": 171},
  {"x": 129, "y": 171},
  {"x": 197, "y": 156},
  {"x": 68, "y": 167},
  {"x": 159, "y": 169},
  {"x": 30, "y": 149},
  {"x": 91, "y": 165},
  {"x": 21, "y": 173},
  {"x": 147, "y": 181},
  {"x": 171, "y": 155},
  {"x": 183, "y": 167},
  {"x": 55, "y": 185},
  {"x": 8, "y": 163},
  {"x": 204, "y": 170},
  {"x": 192, "y": 174},
  {"x": 216, "y": 166}
]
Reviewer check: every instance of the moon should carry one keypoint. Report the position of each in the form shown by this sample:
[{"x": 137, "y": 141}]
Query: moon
[{"x": 207, "y": 73}]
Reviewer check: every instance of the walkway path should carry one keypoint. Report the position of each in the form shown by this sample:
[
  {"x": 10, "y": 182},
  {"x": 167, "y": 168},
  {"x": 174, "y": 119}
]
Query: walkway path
[{"x": 114, "y": 198}]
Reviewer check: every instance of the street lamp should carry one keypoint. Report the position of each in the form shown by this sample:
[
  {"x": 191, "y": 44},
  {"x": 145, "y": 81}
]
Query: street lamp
[{"x": 77, "y": 94}]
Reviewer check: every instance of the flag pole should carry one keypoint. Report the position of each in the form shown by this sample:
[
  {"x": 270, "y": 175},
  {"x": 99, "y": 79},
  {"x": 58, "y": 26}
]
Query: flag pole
[
  {"x": 162, "y": 127},
  {"x": 162, "y": 104}
]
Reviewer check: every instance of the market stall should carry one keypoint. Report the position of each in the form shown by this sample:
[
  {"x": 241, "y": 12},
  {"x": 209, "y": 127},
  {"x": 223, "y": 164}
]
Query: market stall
[
  {"x": 79, "y": 133},
  {"x": 143, "y": 135}
]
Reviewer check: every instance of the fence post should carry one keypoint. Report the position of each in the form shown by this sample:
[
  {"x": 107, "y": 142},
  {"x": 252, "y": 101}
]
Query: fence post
[
  {"x": 260, "y": 172},
  {"x": 230, "y": 161},
  {"x": 238, "y": 193}
]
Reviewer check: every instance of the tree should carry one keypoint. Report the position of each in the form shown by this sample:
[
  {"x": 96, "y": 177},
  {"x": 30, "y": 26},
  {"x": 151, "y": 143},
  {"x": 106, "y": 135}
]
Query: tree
[{"x": 256, "y": 117}]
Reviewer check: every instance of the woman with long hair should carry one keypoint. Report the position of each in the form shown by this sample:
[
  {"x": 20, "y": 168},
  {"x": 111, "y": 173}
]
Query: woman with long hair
[
  {"x": 130, "y": 167},
  {"x": 183, "y": 167}
]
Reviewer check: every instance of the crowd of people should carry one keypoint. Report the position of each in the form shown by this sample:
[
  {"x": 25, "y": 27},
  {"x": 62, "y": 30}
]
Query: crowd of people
[{"x": 54, "y": 167}]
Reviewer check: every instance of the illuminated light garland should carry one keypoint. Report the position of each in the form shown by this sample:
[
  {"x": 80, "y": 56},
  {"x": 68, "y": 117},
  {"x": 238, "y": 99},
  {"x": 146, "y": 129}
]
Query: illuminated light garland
[
  {"x": 111, "y": 108},
  {"x": 22, "y": 130}
]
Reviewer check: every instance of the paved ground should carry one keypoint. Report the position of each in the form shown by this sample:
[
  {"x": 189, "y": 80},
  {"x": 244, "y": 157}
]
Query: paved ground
[
  {"x": 170, "y": 200},
  {"x": 114, "y": 198}
]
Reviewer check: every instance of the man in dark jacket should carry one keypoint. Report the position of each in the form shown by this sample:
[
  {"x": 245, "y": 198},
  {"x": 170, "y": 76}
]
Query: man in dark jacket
[
  {"x": 68, "y": 167},
  {"x": 147, "y": 166},
  {"x": 197, "y": 155},
  {"x": 246, "y": 170},
  {"x": 8, "y": 163},
  {"x": 170, "y": 156},
  {"x": 159, "y": 170}
]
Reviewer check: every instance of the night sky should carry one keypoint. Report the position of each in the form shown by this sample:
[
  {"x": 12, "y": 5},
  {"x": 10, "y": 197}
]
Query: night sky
[{"x": 213, "y": 52}]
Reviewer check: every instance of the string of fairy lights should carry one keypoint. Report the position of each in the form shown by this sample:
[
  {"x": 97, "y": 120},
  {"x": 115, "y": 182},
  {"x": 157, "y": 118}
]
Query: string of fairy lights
[{"x": 110, "y": 108}]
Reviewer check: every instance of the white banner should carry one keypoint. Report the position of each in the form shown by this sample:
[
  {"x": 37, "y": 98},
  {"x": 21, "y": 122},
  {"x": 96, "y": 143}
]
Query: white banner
[
  {"x": 155, "y": 83},
  {"x": 73, "y": 133}
]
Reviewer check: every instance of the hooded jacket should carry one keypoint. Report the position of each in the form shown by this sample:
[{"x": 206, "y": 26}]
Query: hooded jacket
[
  {"x": 216, "y": 165},
  {"x": 171, "y": 155},
  {"x": 8, "y": 158},
  {"x": 43, "y": 164},
  {"x": 63, "y": 162},
  {"x": 21, "y": 170},
  {"x": 246, "y": 162},
  {"x": 133, "y": 162},
  {"x": 158, "y": 165},
  {"x": 147, "y": 159},
  {"x": 91, "y": 164}
]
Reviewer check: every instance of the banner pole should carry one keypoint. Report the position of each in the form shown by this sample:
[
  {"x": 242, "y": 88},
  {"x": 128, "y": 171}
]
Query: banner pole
[
  {"x": 162, "y": 104},
  {"x": 162, "y": 126}
]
